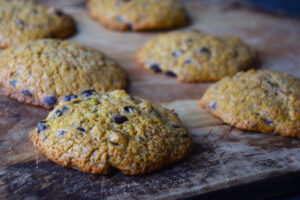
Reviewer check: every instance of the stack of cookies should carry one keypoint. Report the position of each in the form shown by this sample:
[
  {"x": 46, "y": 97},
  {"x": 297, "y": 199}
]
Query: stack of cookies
[{"x": 94, "y": 125}]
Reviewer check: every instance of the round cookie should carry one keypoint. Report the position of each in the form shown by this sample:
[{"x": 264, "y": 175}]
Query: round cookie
[
  {"x": 43, "y": 71},
  {"x": 138, "y": 15},
  {"x": 95, "y": 132},
  {"x": 257, "y": 100},
  {"x": 193, "y": 56},
  {"x": 24, "y": 20}
]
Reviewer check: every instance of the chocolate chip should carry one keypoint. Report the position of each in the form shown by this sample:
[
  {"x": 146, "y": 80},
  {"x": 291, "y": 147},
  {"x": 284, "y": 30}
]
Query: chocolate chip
[
  {"x": 61, "y": 133},
  {"x": 114, "y": 143},
  {"x": 272, "y": 84},
  {"x": 81, "y": 129},
  {"x": 129, "y": 26},
  {"x": 268, "y": 122},
  {"x": 19, "y": 22},
  {"x": 174, "y": 126},
  {"x": 189, "y": 40},
  {"x": 204, "y": 50},
  {"x": 155, "y": 67},
  {"x": 177, "y": 53},
  {"x": 56, "y": 12},
  {"x": 129, "y": 109},
  {"x": 50, "y": 100},
  {"x": 76, "y": 102},
  {"x": 188, "y": 61},
  {"x": 60, "y": 112},
  {"x": 235, "y": 54},
  {"x": 88, "y": 92},
  {"x": 26, "y": 92},
  {"x": 42, "y": 126},
  {"x": 119, "y": 19},
  {"x": 171, "y": 74},
  {"x": 70, "y": 97},
  {"x": 119, "y": 119},
  {"x": 59, "y": 13},
  {"x": 214, "y": 106},
  {"x": 13, "y": 83}
]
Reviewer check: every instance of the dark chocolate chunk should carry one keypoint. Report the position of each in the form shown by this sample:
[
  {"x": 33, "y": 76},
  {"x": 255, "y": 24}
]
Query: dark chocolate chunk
[
  {"x": 26, "y": 92},
  {"x": 171, "y": 74},
  {"x": 129, "y": 26},
  {"x": 204, "y": 50},
  {"x": 214, "y": 106},
  {"x": 50, "y": 100},
  {"x": 59, "y": 13},
  {"x": 70, "y": 97},
  {"x": 177, "y": 53},
  {"x": 61, "y": 133},
  {"x": 81, "y": 129},
  {"x": 76, "y": 102},
  {"x": 42, "y": 126},
  {"x": 114, "y": 143},
  {"x": 155, "y": 67},
  {"x": 87, "y": 92},
  {"x": 188, "y": 61},
  {"x": 272, "y": 84},
  {"x": 19, "y": 22},
  {"x": 174, "y": 125},
  {"x": 189, "y": 40},
  {"x": 268, "y": 122},
  {"x": 13, "y": 83},
  {"x": 119, "y": 119},
  {"x": 129, "y": 109},
  {"x": 56, "y": 12},
  {"x": 60, "y": 112}
]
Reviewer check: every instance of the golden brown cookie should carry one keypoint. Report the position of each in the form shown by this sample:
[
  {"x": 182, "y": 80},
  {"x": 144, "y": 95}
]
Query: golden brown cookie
[
  {"x": 138, "y": 15},
  {"x": 193, "y": 56},
  {"x": 43, "y": 71},
  {"x": 257, "y": 100},
  {"x": 95, "y": 132},
  {"x": 23, "y": 20}
]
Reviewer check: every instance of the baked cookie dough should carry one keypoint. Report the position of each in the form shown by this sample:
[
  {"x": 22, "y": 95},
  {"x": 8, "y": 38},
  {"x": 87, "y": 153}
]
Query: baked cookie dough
[
  {"x": 138, "y": 15},
  {"x": 23, "y": 20},
  {"x": 193, "y": 56},
  {"x": 97, "y": 131},
  {"x": 42, "y": 72},
  {"x": 262, "y": 101}
]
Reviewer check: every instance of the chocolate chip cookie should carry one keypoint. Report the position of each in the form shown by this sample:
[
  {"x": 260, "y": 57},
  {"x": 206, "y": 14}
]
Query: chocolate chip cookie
[
  {"x": 97, "y": 131},
  {"x": 23, "y": 20},
  {"x": 42, "y": 72},
  {"x": 138, "y": 14},
  {"x": 193, "y": 56},
  {"x": 257, "y": 100}
]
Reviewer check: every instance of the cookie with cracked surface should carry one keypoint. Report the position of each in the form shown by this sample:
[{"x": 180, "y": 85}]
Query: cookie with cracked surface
[
  {"x": 97, "y": 131},
  {"x": 42, "y": 72},
  {"x": 23, "y": 20},
  {"x": 193, "y": 56},
  {"x": 262, "y": 101},
  {"x": 138, "y": 15}
]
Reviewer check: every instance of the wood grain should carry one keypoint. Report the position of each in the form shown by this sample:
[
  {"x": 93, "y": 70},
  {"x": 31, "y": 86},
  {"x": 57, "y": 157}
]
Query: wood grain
[{"x": 224, "y": 158}]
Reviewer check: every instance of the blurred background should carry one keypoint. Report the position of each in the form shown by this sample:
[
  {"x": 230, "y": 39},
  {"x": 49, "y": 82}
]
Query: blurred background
[{"x": 287, "y": 7}]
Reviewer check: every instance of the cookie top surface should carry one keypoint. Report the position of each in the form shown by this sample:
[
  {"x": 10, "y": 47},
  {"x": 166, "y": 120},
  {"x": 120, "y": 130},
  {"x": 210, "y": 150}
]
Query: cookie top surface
[
  {"x": 138, "y": 14},
  {"x": 95, "y": 132},
  {"x": 23, "y": 20},
  {"x": 257, "y": 100},
  {"x": 44, "y": 71},
  {"x": 193, "y": 56}
]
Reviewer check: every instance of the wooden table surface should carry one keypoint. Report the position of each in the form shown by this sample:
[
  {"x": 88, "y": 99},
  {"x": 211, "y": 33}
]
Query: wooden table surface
[{"x": 226, "y": 162}]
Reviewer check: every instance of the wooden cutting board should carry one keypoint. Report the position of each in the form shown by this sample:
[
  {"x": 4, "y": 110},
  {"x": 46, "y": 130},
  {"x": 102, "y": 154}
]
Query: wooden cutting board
[{"x": 226, "y": 162}]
